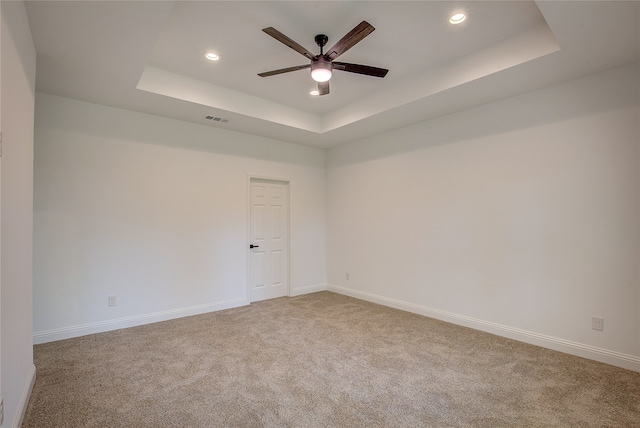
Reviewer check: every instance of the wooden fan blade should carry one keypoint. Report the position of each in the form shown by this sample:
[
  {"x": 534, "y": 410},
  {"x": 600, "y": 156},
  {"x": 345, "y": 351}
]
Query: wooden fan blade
[
  {"x": 283, "y": 70},
  {"x": 287, "y": 41},
  {"x": 360, "y": 69},
  {"x": 354, "y": 36},
  {"x": 323, "y": 88}
]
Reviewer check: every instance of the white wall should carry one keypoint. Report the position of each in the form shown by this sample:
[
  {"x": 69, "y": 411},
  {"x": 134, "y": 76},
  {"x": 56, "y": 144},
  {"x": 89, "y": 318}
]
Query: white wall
[
  {"x": 519, "y": 217},
  {"x": 17, "y": 87},
  {"x": 154, "y": 211}
]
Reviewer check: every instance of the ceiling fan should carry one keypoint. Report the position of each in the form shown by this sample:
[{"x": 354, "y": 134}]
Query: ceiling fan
[{"x": 323, "y": 64}]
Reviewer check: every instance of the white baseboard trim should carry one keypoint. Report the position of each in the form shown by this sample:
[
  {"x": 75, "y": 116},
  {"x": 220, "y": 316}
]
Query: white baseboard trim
[
  {"x": 614, "y": 358},
  {"x": 307, "y": 290},
  {"x": 132, "y": 321},
  {"x": 24, "y": 400}
]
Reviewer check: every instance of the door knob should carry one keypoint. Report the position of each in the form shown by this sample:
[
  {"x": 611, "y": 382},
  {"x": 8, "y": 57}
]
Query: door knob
[{"x": 253, "y": 246}]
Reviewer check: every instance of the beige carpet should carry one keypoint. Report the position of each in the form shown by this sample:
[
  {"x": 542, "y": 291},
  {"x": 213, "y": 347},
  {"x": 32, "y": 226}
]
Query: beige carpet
[{"x": 321, "y": 360}]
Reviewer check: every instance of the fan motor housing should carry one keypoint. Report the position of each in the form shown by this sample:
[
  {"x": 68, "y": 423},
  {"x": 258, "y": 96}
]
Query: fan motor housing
[{"x": 321, "y": 62}]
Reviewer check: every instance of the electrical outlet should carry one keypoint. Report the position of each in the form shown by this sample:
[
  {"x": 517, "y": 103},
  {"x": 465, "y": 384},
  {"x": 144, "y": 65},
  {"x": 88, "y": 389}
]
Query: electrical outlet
[
  {"x": 112, "y": 301},
  {"x": 597, "y": 323}
]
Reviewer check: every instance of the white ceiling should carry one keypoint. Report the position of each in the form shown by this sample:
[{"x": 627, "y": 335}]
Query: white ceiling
[{"x": 148, "y": 56}]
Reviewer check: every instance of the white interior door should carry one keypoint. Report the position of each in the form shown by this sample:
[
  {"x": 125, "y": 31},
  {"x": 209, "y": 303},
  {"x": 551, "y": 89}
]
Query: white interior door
[{"x": 269, "y": 246}]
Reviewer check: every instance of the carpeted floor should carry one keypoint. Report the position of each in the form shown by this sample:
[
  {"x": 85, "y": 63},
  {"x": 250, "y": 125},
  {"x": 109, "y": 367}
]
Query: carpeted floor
[{"x": 321, "y": 360}]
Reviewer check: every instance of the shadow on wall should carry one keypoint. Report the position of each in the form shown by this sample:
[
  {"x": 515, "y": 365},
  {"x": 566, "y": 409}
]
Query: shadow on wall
[
  {"x": 583, "y": 97},
  {"x": 54, "y": 112},
  {"x": 12, "y": 26}
]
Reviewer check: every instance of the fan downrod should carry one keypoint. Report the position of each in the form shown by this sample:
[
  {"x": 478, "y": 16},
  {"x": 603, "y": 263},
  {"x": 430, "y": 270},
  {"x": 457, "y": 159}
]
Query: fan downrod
[{"x": 321, "y": 40}]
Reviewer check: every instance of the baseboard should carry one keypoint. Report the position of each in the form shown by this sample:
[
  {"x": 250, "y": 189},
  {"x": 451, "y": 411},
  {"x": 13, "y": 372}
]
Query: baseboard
[
  {"x": 617, "y": 359},
  {"x": 115, "y": 324},
  {"x": 308, "y": 289},
  {"x": 24, "y": 400}
]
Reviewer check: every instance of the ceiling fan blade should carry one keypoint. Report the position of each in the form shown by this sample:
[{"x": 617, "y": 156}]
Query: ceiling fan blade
[
  {"x": 354, "y": 36},
  {"x": 284, "y": 70},
  {"x": 323, "y": 88},
  {"x": 287, "y": 41},
  {"x": 360, "y": 69}
]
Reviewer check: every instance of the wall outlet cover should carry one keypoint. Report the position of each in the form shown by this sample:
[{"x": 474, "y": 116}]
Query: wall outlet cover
[{"x": 597, "y": 323}]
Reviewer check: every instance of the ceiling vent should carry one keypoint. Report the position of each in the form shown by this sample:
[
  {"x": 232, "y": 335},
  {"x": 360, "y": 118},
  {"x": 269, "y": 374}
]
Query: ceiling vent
[{"x": 216, "y": 119}]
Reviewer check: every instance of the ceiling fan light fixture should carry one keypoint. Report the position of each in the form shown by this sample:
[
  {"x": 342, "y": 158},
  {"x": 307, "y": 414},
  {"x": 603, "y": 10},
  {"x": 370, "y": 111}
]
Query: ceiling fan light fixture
[
  {"x": 321, "y": 70},
  {"x": 322, "y": 65},
  {"x": 321, "y": 74}
]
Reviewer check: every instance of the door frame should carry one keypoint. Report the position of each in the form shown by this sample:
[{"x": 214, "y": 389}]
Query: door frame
[{"x": 288, "y": 182}]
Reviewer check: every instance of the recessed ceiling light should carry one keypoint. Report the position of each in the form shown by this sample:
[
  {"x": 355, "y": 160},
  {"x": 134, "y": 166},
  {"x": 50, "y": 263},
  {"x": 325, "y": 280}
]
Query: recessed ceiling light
[
  {"x": 211, "y": 56},
  {"x": 315, "y": 93},
  {"x": 457, "y": 18}
]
